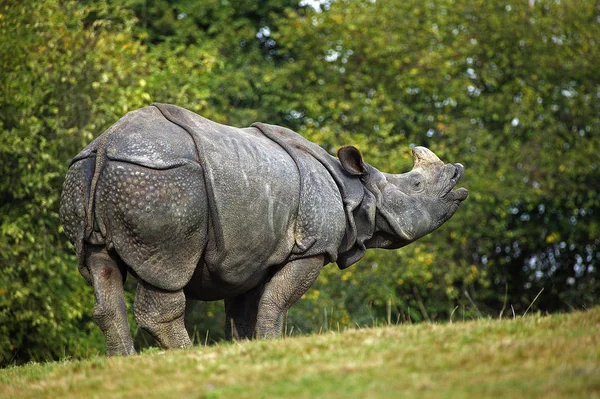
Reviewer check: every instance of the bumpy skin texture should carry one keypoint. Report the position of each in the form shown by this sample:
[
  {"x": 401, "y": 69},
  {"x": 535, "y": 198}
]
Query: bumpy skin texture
[{"x": 198, "y": 209}]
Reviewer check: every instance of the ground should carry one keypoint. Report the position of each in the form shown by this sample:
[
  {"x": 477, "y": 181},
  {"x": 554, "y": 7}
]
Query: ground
[{"x": 554, "y": 356}]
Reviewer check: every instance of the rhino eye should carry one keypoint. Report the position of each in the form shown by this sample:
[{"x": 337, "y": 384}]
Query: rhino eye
[{"x": 416, "y": 183}]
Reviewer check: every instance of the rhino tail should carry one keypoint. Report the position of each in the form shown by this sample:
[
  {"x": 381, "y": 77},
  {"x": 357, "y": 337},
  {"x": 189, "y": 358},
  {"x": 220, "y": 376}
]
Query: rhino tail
[
  {"x": 74, "y": 203},
  {"x": 100, "y": 162}
]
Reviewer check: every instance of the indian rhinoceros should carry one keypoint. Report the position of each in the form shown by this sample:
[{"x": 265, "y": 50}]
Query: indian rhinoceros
[{"x": 250, "y": 215}]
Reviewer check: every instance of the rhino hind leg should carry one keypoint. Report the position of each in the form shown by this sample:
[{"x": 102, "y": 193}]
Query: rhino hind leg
[
  {"x": 161, "y": 313},
  {"x": 110, "y": 310},
  {"x": 284, "y": 289}
]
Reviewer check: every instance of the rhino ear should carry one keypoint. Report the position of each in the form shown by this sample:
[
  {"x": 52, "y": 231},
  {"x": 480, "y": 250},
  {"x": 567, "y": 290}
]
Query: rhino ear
[{"x": 352, "y": 161}]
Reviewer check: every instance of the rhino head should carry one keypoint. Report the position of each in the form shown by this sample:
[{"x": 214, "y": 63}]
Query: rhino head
[{"x": 408, "y": 205}]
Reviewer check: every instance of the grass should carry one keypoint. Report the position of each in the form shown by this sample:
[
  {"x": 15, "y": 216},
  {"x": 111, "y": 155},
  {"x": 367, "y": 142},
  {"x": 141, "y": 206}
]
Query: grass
[{"x": 532, "y": 357}]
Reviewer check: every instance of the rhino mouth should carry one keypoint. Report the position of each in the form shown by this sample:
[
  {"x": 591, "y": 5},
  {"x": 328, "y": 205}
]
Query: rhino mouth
[{"x": 460, "y": 194}]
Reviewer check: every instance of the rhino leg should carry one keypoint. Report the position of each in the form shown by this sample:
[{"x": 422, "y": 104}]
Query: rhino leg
[
  {"x": 110, "y": 310},
  {"x": 282, "y": 291},
  {"x": 161, "y": 313},
  {"x": 241, "y": 313}
]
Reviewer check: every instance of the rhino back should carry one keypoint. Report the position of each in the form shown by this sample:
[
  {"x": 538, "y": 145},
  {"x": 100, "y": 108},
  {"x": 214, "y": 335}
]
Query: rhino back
[{"x": 144, "y": 137}]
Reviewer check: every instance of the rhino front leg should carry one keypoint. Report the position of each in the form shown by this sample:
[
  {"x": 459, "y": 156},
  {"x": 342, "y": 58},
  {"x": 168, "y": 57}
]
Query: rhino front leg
[
  {"x": 241, "y": 313},
  {"x": 110, "y": 310},
  {"x": 161, "y": 313},
  {"x": 282, "y": 291}
]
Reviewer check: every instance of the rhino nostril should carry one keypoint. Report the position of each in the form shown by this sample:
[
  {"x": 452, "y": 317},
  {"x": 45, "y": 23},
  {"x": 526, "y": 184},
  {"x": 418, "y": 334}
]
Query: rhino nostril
[{"x": 456, "y": 173}]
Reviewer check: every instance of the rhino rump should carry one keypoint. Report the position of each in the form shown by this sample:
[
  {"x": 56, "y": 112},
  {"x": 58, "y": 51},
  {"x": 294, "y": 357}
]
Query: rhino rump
[{"x": 155, "y": 219}]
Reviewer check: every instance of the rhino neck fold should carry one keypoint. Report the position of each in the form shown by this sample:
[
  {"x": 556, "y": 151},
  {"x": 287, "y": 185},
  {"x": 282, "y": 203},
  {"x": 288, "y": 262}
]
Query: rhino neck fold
[
  {"x": 385, "y": 236},
  {"x": 360, "y": 199},
  {"x": 360, "y": 228}
]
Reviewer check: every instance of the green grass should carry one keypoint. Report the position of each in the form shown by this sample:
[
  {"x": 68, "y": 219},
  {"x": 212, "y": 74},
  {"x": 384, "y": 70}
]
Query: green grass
[{"x": 551, "y": 357}]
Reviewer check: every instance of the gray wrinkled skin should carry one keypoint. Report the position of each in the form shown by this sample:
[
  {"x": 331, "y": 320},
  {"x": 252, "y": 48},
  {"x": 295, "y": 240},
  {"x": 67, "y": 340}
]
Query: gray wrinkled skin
[{"x": 197, "y": 209}]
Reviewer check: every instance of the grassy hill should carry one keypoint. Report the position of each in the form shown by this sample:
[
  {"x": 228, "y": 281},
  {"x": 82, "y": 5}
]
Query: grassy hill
[{"x": 551, "y": 357}]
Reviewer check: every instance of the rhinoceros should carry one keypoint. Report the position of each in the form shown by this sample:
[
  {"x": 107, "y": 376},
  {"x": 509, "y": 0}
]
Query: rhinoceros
[{"x": 197, "y": 209}]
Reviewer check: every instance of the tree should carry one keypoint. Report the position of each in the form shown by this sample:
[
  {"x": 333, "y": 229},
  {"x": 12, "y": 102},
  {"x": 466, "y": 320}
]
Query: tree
[{"x": 62, "y": 83}]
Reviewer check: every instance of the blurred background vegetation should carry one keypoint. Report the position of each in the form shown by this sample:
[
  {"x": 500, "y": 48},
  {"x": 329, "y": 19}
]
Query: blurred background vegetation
[{"x": 511, "y": 89}]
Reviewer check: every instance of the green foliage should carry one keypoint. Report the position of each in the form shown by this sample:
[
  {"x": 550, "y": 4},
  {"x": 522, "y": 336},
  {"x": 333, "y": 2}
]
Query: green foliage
[
  {"x": 62, "y": 83},
  {"x": 509, "y": 90}
]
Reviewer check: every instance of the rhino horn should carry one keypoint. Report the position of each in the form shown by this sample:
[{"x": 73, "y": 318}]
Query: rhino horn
[{"x": 424, "y": 157}]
